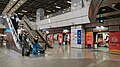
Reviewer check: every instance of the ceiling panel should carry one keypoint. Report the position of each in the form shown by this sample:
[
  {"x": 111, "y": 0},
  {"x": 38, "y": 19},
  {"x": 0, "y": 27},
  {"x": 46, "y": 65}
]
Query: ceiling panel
[
  {"x": 3, "y": 4},
  {"x": 106, "y": 9},
  {"x": 49, "y": 5}
]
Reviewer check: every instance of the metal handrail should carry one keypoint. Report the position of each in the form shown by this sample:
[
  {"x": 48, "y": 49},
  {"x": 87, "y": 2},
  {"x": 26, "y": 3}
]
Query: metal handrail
[{"x": 13, "y": 31}]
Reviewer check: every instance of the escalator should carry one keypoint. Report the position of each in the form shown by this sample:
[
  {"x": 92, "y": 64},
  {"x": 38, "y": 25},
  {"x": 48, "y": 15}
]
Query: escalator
[
  {"x": 35, "y": 33},
  {"x": 14, "y": 41}
]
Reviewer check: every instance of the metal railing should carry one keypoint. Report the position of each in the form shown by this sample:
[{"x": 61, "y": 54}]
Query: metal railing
[{"x": 14, "y": 34}]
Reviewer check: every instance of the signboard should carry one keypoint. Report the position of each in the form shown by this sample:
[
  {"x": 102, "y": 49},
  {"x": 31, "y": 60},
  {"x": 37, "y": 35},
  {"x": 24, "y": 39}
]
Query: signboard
[
  {"x": 60, "y": 38},
  {"x": 78, "y": 36},
  {"x": 51, "y": 39},
  {"x": 115, "y": 41},
  {"x": 89, "y": 38}
]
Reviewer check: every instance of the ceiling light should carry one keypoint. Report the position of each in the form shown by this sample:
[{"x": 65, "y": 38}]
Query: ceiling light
[
  {"x": 18, "y": 4},
  {"x": 11, "y": 3},
  {"x": 24, "y": 11},
  {"x": 38, "y": 13},
  {"x": 103, "y": 9},
  {"x": 20, "y": 13},
  {"x": 75, "y": 4},
  {"x": 68, "y": 2},
  {"x": 53, "y": 10},
  {"x": 58, "y": 7},
  {"x": 22, "y": 1},
  {"x": 68, "y": 10},
  {"x": 55, "y": 3},
  {"x": 14, "y": 0},
  {"x": 48, "y": 11},
  {"x": 113, "y": 5}
]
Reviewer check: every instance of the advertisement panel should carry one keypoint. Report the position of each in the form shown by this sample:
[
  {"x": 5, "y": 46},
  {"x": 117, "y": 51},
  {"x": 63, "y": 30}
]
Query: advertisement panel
[
  {"x": 114, "y": 41},
  {"x": 60, "y": 38},
  {"x": 89, "y": 39},
  {"x": 78, "y": 36},
  {"x": 51, "y": 39}
]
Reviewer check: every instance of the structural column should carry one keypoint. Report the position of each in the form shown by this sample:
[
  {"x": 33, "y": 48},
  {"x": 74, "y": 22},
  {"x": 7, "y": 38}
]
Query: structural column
[
  {"x": 78, "y": 36},
  {"x": 40, "y": 14}
]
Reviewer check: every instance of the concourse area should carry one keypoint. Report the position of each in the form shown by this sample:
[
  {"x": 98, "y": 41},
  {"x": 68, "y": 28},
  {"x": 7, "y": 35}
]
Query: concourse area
[
  {"x": 59, "y": 33},
  {"x": 60, "y": 56}
]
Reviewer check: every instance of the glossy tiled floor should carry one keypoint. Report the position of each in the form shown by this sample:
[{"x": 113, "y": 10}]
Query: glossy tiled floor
[{"x": 60, "y": 56}]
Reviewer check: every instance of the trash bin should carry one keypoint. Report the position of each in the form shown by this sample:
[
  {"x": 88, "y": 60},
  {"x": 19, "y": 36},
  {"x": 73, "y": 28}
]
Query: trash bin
[{"x": 95, "y": 46}]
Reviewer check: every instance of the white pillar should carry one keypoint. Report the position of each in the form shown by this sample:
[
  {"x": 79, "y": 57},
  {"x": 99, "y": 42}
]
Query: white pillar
[
  {"x": 40, "y": 14},
  {"x": 75, "y": 36}
]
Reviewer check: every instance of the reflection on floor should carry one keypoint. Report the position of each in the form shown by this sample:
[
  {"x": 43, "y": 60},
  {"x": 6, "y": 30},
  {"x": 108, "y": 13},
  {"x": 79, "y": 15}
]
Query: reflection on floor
[{"x": 60, "y": 56}]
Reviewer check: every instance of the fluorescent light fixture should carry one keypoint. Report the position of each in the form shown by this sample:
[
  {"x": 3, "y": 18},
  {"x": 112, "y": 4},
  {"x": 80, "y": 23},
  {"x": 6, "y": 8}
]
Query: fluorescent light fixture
[
  {"x": 24, "y": 11},
  {"x": 14, "y": 0},
  {"x": 103, "y": 9},
  {"x": 20, "y": 13},
  {"x": 58, "y": 7},
  {"x": 48, "y": 10},
  {"x": 68, "y": 2}
]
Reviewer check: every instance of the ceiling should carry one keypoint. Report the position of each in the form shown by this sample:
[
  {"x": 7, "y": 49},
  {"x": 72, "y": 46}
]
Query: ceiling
[
  {"x": 110, "y": 11},
  {"x": 49, "y": 6},
  {"x": 3, "y": 4}
]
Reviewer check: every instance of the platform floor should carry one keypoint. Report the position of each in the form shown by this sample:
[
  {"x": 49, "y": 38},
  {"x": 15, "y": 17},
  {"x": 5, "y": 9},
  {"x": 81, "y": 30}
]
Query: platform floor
[{"x": 60, "y": 56}]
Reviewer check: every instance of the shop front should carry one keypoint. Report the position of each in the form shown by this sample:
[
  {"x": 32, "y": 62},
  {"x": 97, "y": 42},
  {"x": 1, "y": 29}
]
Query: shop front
[
  {"x": 59, "y": 36},
  {"x": 103, "y": 38}
]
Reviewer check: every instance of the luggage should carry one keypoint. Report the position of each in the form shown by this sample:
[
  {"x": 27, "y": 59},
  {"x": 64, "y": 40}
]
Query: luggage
[{"x": 27, "y": 53}]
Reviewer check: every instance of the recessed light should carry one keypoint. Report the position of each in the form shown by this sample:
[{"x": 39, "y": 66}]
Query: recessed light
[
  {"x": 53, "y": 10},
  {"x": 22, "y": 1},
  {"x": 14, "y": 0},
  {"x": 75, "y": 4},
  {"x": 18, "y": 4}
]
